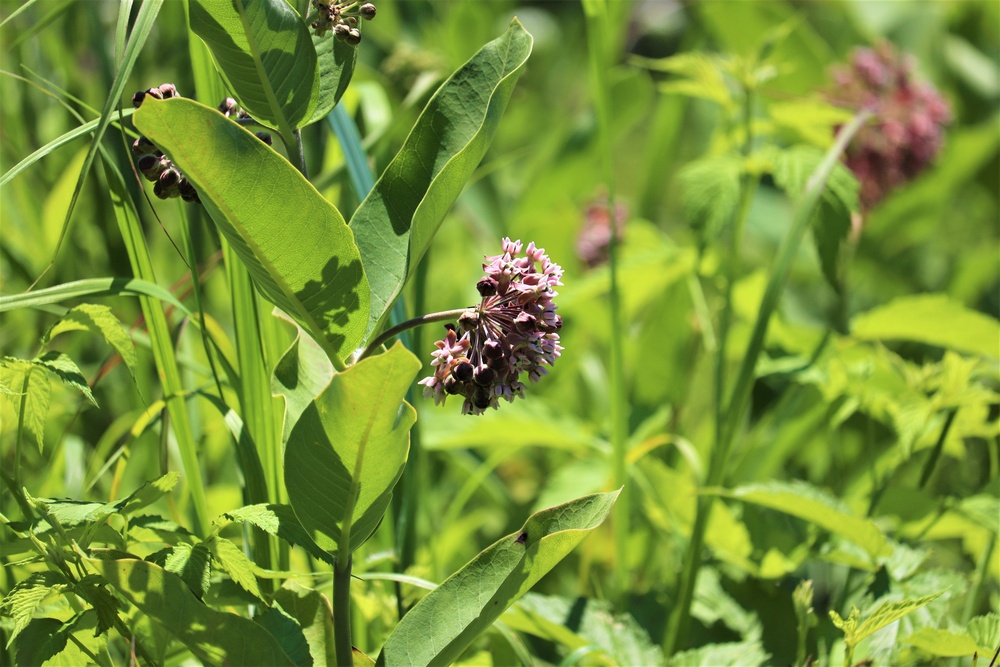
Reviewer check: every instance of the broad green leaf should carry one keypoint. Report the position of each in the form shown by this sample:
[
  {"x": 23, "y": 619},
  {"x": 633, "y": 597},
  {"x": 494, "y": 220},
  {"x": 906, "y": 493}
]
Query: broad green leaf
[
  {"x": 336, "y": 59},
  {"x": 447, "y": 620},
  {"x": 395, "y": 223},
  {"x": 286, "y": 630},
  {"x": 296, "y": 246},
  {"x": 41, "y": 640},
  {"x": 299, "y": 376},
  {"x": 100, "y": 320},
  {"x": 278, "y": 520},
  {"x": 932, "y": 319},
  {"x": 148, "y": 493},
  {"x": 236, "y": 564},
  {"x": 817, "y": 506},
  {"x": 22, "y": 600},
  {"x": 90, "y": 287},
  {"x": 66, "y": 370},
  {"x": 943, "y": 643},
  {"x": 745, "y": 654},
  {"x": 214, "y": 637},
  {"x": 264, "y": 52},
  {"x": 314, "y": 614},
  {"x": 47, "y": 641},
  {"x": 348, "y": 449}
]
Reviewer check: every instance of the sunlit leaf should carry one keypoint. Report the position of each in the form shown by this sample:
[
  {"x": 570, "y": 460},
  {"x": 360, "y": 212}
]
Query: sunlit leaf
[
  {"x": 22, "y": 600},
  {"x": 440, "y": 626},
  {"x": 297, "y": 247},
  {"x": 313, "y": 612},
  {"x": 65, "y": 369},
  {"x": 236, "y": 564},
  {"x": 97, "y": 319}
]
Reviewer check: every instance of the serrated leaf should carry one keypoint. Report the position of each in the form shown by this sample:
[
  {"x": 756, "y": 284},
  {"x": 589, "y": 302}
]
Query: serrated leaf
[
  {"x": 711, "y": 189},
  {"x": 236, "y": 564},
  {"x": 812, "y": 504},
  {"x": 832, "y": 220},
  {"x": 286, "y": 630},
  {"x": 932, "y": 319},
  {"x": 348, "y": 449},
  {"x": 745, "y": 654},
  {"x": 314, "y": 614},
  {"x": 97, "y": 319},
  {"x": 193, "y": 564},
  {"x": 396, "y": 222},
  {"x": 943, "y": 643},
  {"x": 214, "y": 637},
  {"x": 985, "y": 630},
  {"x": 22, "y": 600},
  {"x": 37, "y": 392},
  {"x": 699, "y": 75},
  {"x": 66, "y": 370},
  {"x": 442, "y": 624},
  {"x": 41, "y": 640},
  {"x": 264, "y": 52},
  {"x": 887, "y": 613},
  {"x": 297, "y": 247},
  {"x": 91, "y": 588},
  {"x": 280, "y": 521}
]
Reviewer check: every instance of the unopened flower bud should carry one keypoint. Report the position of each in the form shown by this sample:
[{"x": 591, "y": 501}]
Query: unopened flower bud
[
  {"x": 484, "y": 376},
  {"x": 452, "y": 386},
  {"x": 265, "y": 137},
  {"x": 160, "y": 190},
  {"x": 481, "y": 398},
  {"x": 168, "y": 90},
  {"x": 487, "y": 286},
  {"x": 468, "y": 320},
  {"x": 148, "y": 164},
  {"x": 367, "y": 11},
  {"x": 340, "y": 31},
  {"x": 492, "y": 349},
  {"x": 188, "y": 193},
  {"x": 169, "y": 178},
  {"x": 353, "y": 37},
  {"x": 138, "y": 98},
  {"x": 462, "y": 371},
  {"x": 524, "y": 322},
  {"x": 228, "y": 107}
]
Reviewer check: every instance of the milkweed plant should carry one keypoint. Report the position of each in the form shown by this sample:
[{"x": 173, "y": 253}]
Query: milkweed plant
[{"x": 289, "y": 522}]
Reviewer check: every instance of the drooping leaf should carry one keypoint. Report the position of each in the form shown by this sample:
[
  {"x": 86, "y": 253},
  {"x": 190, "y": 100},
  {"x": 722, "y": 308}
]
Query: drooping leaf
[
  {"x": 22, "y": 600},
  {"x": 236, "y": 564},
  {"x": 193, "y": 564},
  {"x": 336, "y": 59},
  {"x": 348, "y": 448},
  {"x": 812, "y": 504},
  {"x": 92, "y": 589},
  {"x": 41, "y": 640},
  {"x": 148, "y": 493},
  {"x": 278, "y": 520},
  {"x": 440, "y": 626},
  {"x": 31, "y": 389},
  {"x": 395, "y": 223},
  {"x": 97, "y": 319},
  {"x": 264, "y": 52},
  {"x": 314, "y": 614},
  {"x": 297, "y": 247},
  {"x": 214, "y": 637},
  {"x": 932, "y": 319},
  {"x": 856, "y": 629},
  {"x": 64, "y": 368}
]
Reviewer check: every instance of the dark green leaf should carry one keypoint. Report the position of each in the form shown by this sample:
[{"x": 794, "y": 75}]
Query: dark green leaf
[
  {"x": 287, "y": 631},
  {"x": 42, "y": 639},
  {"x": 92, "y": 589},
  {"x": 314, "y": 614},
  {"x": 193, "y": 564},
  {"x": 281, "y": 521},
  {"x": 395, "y": 223}
]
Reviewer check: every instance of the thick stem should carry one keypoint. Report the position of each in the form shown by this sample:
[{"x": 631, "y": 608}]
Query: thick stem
[
  {"x": 443, "y": 316},
  {"x": 342, "y": 613}
]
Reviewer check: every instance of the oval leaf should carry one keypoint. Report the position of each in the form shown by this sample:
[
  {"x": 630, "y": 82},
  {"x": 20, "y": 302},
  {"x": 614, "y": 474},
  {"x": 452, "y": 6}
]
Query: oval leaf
[
  {"x": 933, "y": 319},
  {"x": 812, "y": 504},
  {"x": 295, "y": 244},
  {"x": 336, "y": 60},
  {"x": 214, "y": 637},
  {"x": 395, "y": 223},
  {"x": 266, "y": 55},
  {"x": 348, "y": 449},
  {"x": 439, "y": 627}
]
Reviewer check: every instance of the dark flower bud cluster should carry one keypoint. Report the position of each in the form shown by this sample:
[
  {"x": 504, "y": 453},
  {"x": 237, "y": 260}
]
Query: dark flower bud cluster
[
  {"x": 513, "y": 331},
  {"x": 909, "y": 117},
  {"x": 341, "y": 18},
  {"x": 157, "y": 167},
  {"x": 594, "y": 240}
]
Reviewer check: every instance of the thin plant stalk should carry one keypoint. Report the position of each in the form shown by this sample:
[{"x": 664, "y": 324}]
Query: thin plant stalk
[
  {"x": 599, "y": 51},
  {"x": 740, "y": 397}
]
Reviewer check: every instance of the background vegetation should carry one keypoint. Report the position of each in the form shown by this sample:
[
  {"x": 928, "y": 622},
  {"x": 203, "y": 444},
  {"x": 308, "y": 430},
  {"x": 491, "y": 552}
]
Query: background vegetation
[{"x": 867, "y": 461}]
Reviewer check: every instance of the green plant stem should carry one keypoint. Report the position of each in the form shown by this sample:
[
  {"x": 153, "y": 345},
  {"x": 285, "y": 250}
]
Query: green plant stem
[
  {"x": 389, "y": 333},
  {"x": 598, "y": 34},
  {"x": 979, "y": 579},
  {"x": 740, "y": 397},
  {"x": 342, "y": 613},
  {"x": 931, "y": 463}
]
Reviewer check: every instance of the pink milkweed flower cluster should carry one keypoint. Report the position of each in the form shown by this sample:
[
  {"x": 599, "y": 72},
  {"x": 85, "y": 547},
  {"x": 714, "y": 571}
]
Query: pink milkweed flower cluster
[
  {"x": 907, "y": 131},
  {"x": 513, "y": 331}
]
